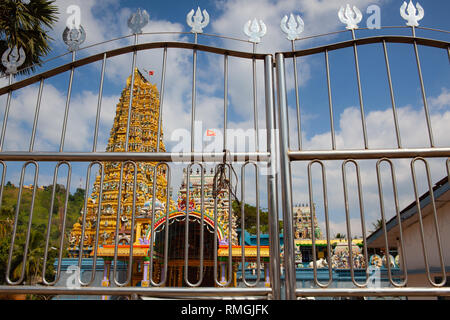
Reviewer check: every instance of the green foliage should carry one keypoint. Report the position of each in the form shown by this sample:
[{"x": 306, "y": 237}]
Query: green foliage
[
  {"x": 40, "y": 218},
  {"x": 250, "y": 218},
  {"x": 26, "y": 25}
]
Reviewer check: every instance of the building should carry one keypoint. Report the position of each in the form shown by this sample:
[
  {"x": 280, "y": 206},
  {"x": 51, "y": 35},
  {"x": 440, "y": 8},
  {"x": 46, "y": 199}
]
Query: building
[
  {"x": 412, "y": 239},
  {"x": 302, "y": 222},
  {"x": 108, "y": 220}
]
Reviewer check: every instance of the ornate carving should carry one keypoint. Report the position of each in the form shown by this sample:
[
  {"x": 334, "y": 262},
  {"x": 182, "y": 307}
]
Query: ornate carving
[
  {"x": 13, "y": 58},
  {"x": 293, "y": 28},
  {"x": 73, "y": 38},
  {"x": 197, "y": 24},
  {"x": 254, "y": 30},
  {"x": 350, "y": 17},
  {"x": 410, "y": 14},
  {"x": 138, "y": 20}
]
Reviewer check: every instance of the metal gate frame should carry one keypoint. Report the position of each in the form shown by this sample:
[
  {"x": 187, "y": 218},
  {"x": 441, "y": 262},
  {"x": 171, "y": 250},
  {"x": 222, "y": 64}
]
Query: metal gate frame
[
  {"x": 95, "y": 157},
  {"x": 285, "y": 155}
]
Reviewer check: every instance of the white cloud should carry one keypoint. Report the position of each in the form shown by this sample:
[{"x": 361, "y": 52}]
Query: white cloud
[
  {"x": 441, "y": 101},
  {"x": 381, "y": 134}
]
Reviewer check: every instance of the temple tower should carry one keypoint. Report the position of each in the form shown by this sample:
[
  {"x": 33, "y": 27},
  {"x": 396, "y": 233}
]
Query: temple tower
[{"x": 143, "y": 135}]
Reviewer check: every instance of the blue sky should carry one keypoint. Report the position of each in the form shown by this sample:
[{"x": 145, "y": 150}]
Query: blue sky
[{"x": 106, "y": 20}]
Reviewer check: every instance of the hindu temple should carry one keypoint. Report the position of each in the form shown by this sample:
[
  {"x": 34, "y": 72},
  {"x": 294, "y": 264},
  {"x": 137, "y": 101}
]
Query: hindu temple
[{"x": 122, "y": 191}]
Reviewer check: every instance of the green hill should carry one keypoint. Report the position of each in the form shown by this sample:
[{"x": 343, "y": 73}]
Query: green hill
[{"x": 42, "y": 204}]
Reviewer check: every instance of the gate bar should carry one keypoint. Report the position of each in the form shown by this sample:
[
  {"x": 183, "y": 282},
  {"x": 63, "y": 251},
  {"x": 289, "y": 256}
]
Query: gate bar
[
  {"x": 66, "y": 110},
  {"x": 374, "y": 292},
  {"x": 361, "y": 102},
  {"x": 330, "y": 102},
  {"x": 274, "y": 269},
  {"x": 391, "y": 90},
  {"x": 5, "y": 117},
  {"x": 36, "y": 115},
  {"x": 99, "y": 104},
  {"x": 368, "y": 154},
  {"x": 123, "y": 291},
  {"x": 422, "y": 86},
  {"x": 286, "y": 191},
  {"x": 135, "y": 156},
  {"x": 161, "y": 98}
]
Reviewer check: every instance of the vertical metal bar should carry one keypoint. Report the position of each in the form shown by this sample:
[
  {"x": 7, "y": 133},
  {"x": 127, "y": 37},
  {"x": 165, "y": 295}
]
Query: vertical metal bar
[
  {"x": 83, "y": 228},
  {"x": 290, "y": 281},
  {"x": 347, "y": 218},
  {"x": 327, "y": 223},
  {"x": 116, "y": 242},
  {"x": 36, "y": 115},
  {"x": 66, "y": 111},
  {"x": 225, "y": 100},
  {"x": 194, "y": 84},
  {"x": 255, "y": 100},
  {"x": 130, "y": 106},
  {"x": 99, "y": 104},
  {"x": 186, "y": 235},
  {"x": 361, "y": 103},
  {"x": 161, "y": 98},
  {"x": 99, "y": 213},
  {"x": 63, "y": 227},
  {"x": 424, "y": 97},
  {"x": 436, "y": 227},
  {"x": 166, "y": 235},
  {"x": 297, "y": 102},
  {"x": 399, "y": 220},
  {"x": 5, "y": 116},
  {"x": 16, "y": 220},
  {"x": 230, "y": 256},
  {"x": 2, "y": 181},
  {"x": 274, "y": 244},
  {"x": 447, "y": 162},
  {"x": 330, "y": 102},
  {"x": 391, "y": 90},
  {"x": 258, "y": 236},
  {"x": 448, "y": 53}
]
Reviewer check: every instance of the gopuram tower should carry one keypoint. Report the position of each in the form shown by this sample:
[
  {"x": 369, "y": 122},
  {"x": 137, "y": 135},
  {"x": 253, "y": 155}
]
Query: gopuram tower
[
  {"x": 143, "y": 136},
  {"x": 109, "y": 208}
]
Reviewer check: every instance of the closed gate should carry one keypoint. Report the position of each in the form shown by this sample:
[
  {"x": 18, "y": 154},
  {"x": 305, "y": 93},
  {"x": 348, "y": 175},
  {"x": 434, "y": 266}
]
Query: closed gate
[{"x": 135, "y": 251}]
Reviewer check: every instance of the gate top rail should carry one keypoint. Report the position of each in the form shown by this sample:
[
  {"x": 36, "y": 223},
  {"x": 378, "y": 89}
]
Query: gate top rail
[
  {"x": 124, "y": 50},
  {"x": 234, "y": 53},
  {"x": 370, "y": 40}
]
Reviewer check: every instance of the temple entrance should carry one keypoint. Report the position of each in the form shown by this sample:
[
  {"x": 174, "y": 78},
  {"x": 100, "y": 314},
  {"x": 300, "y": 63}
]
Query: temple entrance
[{"x": 175, "y": 273}]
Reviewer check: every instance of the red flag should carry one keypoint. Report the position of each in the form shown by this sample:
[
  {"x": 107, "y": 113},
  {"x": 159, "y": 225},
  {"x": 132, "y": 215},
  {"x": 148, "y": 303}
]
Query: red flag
[
  {"x": 210, "y": 133},
  {"x": 150, "y": 73}
]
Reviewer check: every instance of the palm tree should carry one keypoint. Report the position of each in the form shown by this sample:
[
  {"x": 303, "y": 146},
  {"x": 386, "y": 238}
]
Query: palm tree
[
  {"x": 33, "y": 267},
  {"x": 377, "y": 225},
  {"x": 26, "y": 25},
  {"x": 5, "y": 227},
  {"x": 340, "y": 236}
]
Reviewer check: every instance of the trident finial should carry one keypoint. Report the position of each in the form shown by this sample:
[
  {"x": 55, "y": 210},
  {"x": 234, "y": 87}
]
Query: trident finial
[
  {"x": 196, "y": 24},
  {"x": 350, "y": 17},
  {"x": 293, "y": 28},
  {"x": 138, "y": 20},
  {"x": 74, "y": 34},
  {"x": 12, "y": 59},
  {"x": 412, "y": 18},
  {"x": 255, "y": 30}
]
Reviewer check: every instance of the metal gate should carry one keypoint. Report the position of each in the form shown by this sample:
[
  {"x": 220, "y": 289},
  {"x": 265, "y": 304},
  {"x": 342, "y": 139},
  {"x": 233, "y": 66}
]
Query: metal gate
[
  {"x": 281, "y": 284},
  {"x": 323, "y": 159}
]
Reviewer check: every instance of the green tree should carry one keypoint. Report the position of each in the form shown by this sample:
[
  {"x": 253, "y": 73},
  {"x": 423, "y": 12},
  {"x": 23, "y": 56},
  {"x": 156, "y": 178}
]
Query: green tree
[
  {"x": 26, "y": 25},
  {"x": 34, "y": 263},
  {"x": 340, "y": 236},
  {"x": 377, "y": 225}
]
